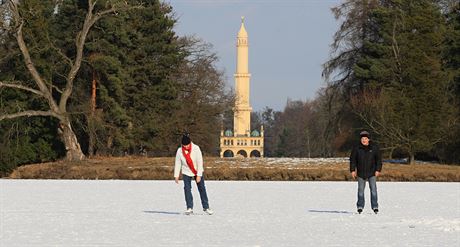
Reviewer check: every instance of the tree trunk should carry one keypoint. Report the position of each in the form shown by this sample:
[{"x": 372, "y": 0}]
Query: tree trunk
[
  {"x": 72, "y": 147},
  {"x": 391, "y": 153},
  {"x": 411, "y": 160},
  {"x": 92, "y": 116},
  {"x": 91, "y": 137}
]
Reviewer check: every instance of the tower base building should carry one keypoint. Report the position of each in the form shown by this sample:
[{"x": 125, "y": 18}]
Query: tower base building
[{"x": 242, "y": 146}]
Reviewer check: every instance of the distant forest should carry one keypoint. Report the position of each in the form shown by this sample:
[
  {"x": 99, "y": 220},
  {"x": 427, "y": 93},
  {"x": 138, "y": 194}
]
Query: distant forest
[{"x": 83, "y": 78}]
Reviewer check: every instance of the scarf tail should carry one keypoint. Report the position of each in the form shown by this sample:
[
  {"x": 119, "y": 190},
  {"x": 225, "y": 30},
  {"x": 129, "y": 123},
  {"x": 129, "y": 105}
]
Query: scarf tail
[{"x": 189, "y": 159}]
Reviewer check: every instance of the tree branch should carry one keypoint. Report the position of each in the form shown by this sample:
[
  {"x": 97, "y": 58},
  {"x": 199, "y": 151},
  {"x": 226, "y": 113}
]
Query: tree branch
[
  {"x": 27, "y": 58},
  {"x": 30, "y": 114},
  {"x": 18, "y": 86},
  {"x": 56, "y": 88}
]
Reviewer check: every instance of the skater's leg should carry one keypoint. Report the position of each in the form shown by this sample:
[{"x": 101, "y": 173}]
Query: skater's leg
[
  {"x": 373, "y": 189},
  {"x": 361, "y": 186},
  {"x": 188, "y": 191},
  {"x": 203, "y": 194}
]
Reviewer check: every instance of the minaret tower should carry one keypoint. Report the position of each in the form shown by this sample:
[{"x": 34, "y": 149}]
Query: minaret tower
[
  {"x": 242, "y": 110},
  {"x": 242, "y": 142}
]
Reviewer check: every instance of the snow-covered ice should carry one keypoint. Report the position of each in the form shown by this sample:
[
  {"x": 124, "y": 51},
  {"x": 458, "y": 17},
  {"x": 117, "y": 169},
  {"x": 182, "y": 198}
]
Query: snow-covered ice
[{"x": 150, "y": 213}]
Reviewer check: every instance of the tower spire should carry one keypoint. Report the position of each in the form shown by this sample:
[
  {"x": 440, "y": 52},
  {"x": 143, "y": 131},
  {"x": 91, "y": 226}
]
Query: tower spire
[
  {"x": 242, "y": 110},
  {"x": 242, "y": 34}
]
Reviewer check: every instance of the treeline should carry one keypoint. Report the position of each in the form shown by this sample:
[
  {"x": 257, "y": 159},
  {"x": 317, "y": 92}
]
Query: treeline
[
  {"x": 394, "y": 70},
  {"x": 304, "y": 129},
  {"x": 81, "y": 78}
]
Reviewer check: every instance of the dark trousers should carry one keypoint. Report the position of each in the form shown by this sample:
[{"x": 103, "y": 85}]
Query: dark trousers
[
  {"x": 188, "y": 192},
  {"x": 373, "y": 188}
]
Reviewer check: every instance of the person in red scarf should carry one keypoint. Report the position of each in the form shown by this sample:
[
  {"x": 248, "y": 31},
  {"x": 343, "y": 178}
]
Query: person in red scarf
[{"x": 190, "y": 160}]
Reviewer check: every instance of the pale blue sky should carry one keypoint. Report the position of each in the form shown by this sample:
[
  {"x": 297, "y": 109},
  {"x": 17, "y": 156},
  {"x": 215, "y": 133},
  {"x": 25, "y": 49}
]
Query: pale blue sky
[{"x": 289, "y": 40}]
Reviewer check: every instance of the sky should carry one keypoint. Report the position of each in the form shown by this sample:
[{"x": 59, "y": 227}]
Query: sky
[{"x": 289, "y": 40}]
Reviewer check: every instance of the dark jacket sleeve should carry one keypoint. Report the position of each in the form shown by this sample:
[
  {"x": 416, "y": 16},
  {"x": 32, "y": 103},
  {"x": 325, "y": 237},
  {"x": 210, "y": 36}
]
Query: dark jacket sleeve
[
  {"x": 378, "y": 159},
  {"x": 353, "y": 159}
]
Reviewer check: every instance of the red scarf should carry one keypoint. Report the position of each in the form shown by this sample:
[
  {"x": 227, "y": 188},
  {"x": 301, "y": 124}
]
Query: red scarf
[{"x": 188, "y": 158}]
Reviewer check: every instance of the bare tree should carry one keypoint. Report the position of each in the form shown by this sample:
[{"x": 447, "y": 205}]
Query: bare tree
[
  {"x": 203, "y": 94},
  {"x": 57, "y": 108}
]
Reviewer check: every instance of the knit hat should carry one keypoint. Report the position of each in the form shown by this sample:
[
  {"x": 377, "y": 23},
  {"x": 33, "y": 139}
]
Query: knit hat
[
  {"x": 186, "y": 139},
  {"x": 364, "y": 134}
]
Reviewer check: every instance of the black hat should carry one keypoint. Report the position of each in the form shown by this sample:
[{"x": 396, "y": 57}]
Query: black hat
[
  {"x": 364, "y": 134},
  {"x": 186, "y": 139}
]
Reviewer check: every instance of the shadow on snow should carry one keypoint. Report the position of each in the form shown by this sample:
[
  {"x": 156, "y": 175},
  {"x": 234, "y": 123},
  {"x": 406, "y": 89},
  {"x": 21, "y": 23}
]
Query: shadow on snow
[
  {"x": 311, "y": 211},
  {"x": 162, "y": 212},
  {"x": 330, "y": 211}
]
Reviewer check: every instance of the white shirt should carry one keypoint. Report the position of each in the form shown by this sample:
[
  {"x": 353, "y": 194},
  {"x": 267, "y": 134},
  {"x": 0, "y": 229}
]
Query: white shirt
[{"x": 181, "y": 162}]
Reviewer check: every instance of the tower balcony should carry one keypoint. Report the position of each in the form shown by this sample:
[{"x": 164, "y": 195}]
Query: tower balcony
[
  {"x": 242, "y": 75},
  {"x": 242, "y": 107}
]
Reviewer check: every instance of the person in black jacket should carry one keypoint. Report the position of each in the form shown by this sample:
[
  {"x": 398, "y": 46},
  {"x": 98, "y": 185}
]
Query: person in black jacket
[{"x": 366, "y": 165}]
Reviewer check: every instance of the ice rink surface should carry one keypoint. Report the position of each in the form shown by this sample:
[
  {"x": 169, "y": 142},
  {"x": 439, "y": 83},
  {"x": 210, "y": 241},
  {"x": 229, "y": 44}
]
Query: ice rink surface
[{"x": 150, "y": 213}]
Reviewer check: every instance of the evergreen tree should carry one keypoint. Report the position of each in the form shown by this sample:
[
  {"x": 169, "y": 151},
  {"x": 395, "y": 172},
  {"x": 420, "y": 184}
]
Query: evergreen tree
[
  {"x": 406, "y": 97},
  {"x": 348, "y": 43},
  {"x": 346, "y": 51},
  {"x": 447, "y": 151},
  {"x": 151, "y": 60}
]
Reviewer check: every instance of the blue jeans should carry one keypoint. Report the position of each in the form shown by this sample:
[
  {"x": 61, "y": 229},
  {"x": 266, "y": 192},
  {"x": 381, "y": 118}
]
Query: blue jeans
[
  {"x": 373, "y": 187},
  {"x": 188, "y": 191}
]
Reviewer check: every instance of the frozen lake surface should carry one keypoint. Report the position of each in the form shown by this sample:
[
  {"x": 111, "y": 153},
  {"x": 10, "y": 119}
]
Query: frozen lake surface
[{"x": 150, "y": 213}]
